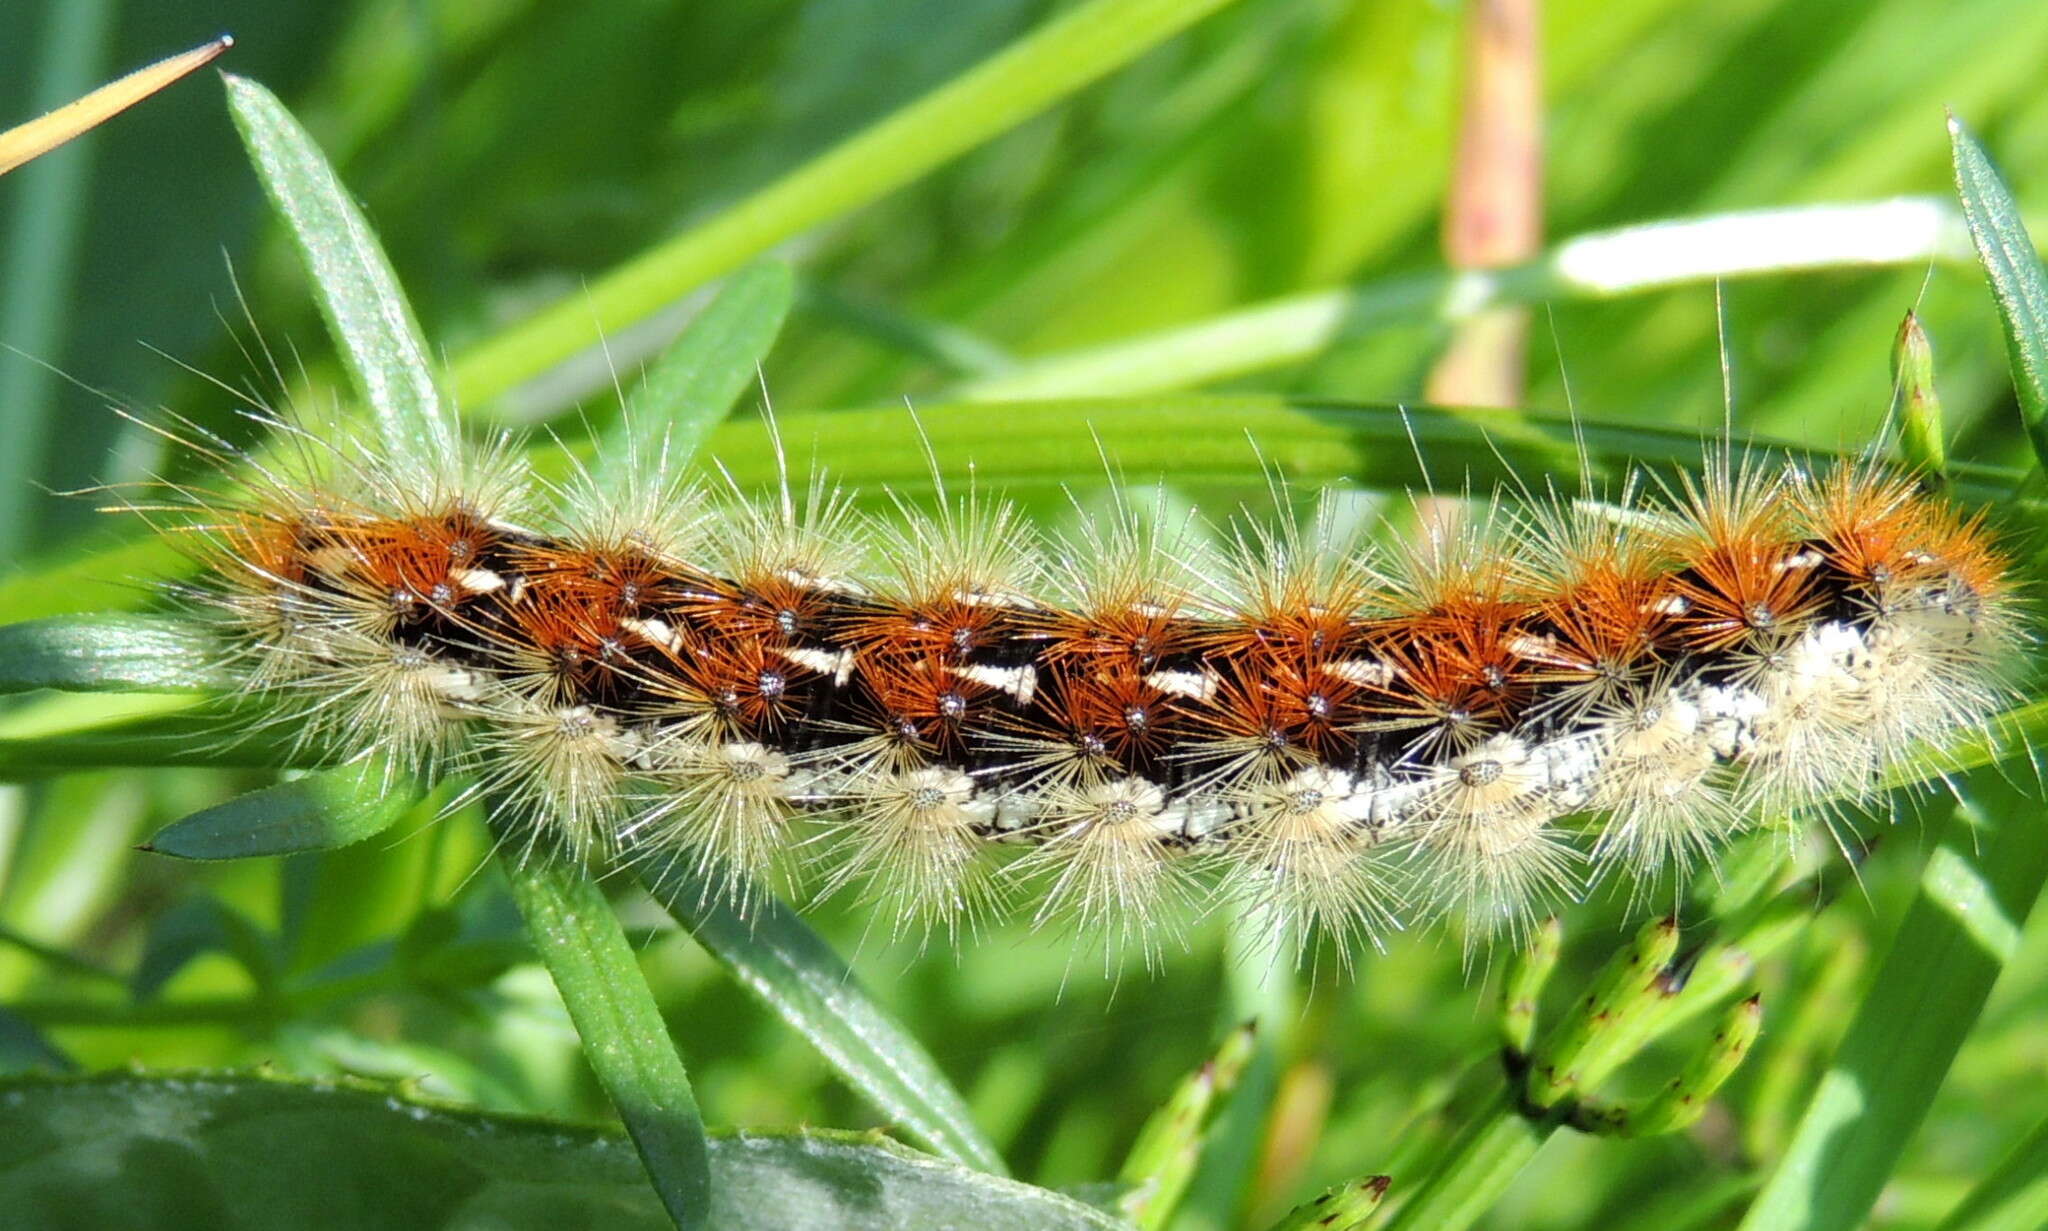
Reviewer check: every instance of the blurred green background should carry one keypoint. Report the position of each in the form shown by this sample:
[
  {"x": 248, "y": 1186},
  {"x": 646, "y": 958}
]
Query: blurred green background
[{"x": 509, "y": 151}]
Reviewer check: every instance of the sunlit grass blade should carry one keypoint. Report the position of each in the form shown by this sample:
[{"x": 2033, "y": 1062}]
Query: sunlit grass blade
[
  {"x": 41, "y": 249},
  {"x": 2014, "y": 1197},
  {"x": 353, "y": 283},
  {"x": 781, "y": 960},
  {"x": 1028, "y": 448},
  {"x": 2017, "y": 279},
  {"x": 101, "y": 578},
  {"x": 1628, "y": 260},
  {"x": 624, "y": 1039},
  {"x": 142, "y": 741},
  {"x": 1013, "y": 85},
  {"x": 1975, "y": 894}
]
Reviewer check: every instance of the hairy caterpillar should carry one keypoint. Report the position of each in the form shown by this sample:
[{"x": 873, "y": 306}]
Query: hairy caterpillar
[{"x": 1293, "y": 720}]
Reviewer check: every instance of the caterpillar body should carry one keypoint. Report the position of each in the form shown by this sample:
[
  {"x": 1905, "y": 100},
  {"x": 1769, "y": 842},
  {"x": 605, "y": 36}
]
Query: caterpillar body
[{"x": 1350, "y": 737}]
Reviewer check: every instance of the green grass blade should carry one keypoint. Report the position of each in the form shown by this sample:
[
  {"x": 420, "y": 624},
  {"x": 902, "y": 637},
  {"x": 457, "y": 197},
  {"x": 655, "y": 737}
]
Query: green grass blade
[
  {"x": 2012, "y": 1198},
  {"x": 776, "y": 956},
  {"x": 1629, "y": 260},
  {"x": 202, "y": 924},
  {"x": 353, "y": 282},
  {"x": 1964, "y": 925},
  {"x": 152, "y": 740},
  {"x": 996, "y": 95},
  {"x": 42, "y": 250},
  {"x": 24, "y": 1048},
  {"x": 1029, "y": 449},
  {"x": 624, "y": 1039},
  {"x": 2017, "y": 279},
  {"x": 110, "y": 653},
  {"x": 695, "y": 381},
  {"x": 324, "y": 810}
]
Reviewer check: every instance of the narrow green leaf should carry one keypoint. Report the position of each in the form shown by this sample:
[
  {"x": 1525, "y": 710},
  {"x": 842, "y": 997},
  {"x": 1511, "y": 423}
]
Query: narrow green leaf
[
  {"x": 323, "y": 810},
  {"x": 1029, "y": 448},
  {"x": 86, "y": 579},
  {"x": 624, "y": 1039},
  {"x": 107, "y": 653},
  {"x": 231, "y": 1150},
  {"x": 1975, "y": 894},
  {"x": 40, "y": 252},
  {"x": 2012, "y": 1198},
  {"x": 1643, "y": 257},
  {"x": 694, "y": 382},
  {"x": 776, "y": 956},
  {"x": 178, "y": 739},
  {"x": 2017, "y": 279},
  {"x": 352, "y": 279},
  {"x": 26, "y": 1049},
  {"x": 201, "y": 924},
  {"x": 1470, "y": 1174}
]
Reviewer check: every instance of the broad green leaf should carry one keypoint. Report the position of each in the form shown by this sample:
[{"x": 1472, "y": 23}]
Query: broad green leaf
[
  {"x": 776, "y": 956},
  {"x": 321, "y": 811},
  {"x": 1975, "y": 894},
  {"x": 185, "y": 1152},
  {"x": 107, "y": 653},
  {"x": 352, "y": 280},
  {"x": 2017, "y": 278},
  {"x": 692, "y": 385},
  {"x": 625, "y": 1041}
]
